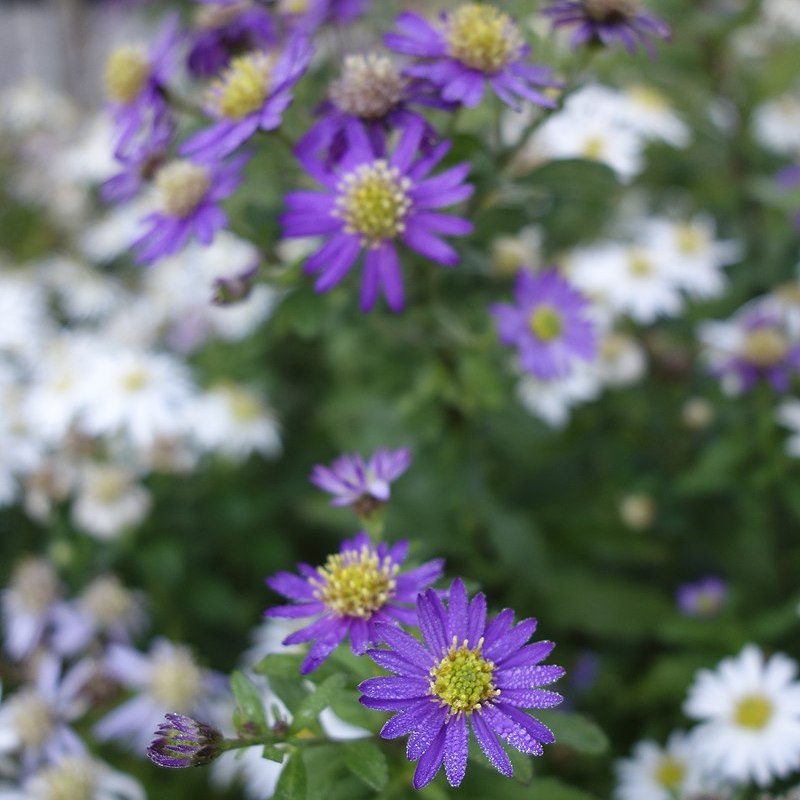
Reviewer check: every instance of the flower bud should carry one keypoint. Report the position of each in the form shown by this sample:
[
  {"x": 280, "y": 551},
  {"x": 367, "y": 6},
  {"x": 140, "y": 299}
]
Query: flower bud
[{"x": 184, "y": 742}]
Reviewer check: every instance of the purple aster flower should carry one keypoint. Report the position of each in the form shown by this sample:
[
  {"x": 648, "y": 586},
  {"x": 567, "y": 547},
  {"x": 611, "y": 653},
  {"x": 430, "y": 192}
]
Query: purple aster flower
[
  {"x": 181, "y": 741},
  {"x": 703, "y": 598},
  {"x": 548, "y": 324},
  {"x": 307, "y": 15},
  {"x": 473, "y": 44},
  {"x": 136, "y": 81},
  {"x": 251, "y": 94},
  {"x": 362, "y": 485},
  {"x": 358, "y": 588},
  {"x": 369, "y": 202},
  {"x": 140, "y": 163},
  {"x": 225, "y": 28},
  {"x": 190, "y": 192},
  {"x": 607, "y": 22},
  {"x": 464, "y": 671},
  {"x": 789, "y": 178},
  {"x": 371, "y": 92},
  {"x": 168, "y": 679}
]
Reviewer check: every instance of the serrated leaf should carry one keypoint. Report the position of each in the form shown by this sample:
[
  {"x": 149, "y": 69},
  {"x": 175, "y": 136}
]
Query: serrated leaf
[
  {"x": 322, "y": 696},
  {"x": 293, "y": 782},
  {"x": 366, "y": 760},
  {"x": 249, "y": 716},
  {"x": 575, "y": 731}
]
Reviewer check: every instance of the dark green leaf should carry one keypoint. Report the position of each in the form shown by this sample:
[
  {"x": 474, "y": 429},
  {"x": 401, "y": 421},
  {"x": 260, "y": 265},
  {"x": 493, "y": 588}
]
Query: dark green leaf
[
  {"x": 293, "y": 782},
  {"x": 366, "y": 760},
  {"x": 322, "y": 696},
  {"x": 575, "y": 731}
]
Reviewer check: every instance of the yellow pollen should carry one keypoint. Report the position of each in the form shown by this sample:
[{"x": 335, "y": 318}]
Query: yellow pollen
[
  {"x": 33, "y": 718},
  {"x": 639, "y": 265},
  {"x": 753, "y": 711},
  {"x": 594, "y": 148},
  {"x": 135, "y": 380},
  {"x": 356, "y": 583},
  {"x": 182, "y": 187},
  {"x": 482, "y": 37},
  {"x": 670, "y": 773},
  {"x": 373, "y": 202},
  {"x": 243, "y": 86},
  {"x": 370, "y": 86},
  {"x": 610, "y": 10},
  {"x": 244, "y": 405},
  {"x": 108, "y": 484},
  {"x": 127, "y": 70},
  {"x": 176, "y": 680},
  {"x": 70, "y": 779},
  {"x": 107, "y": 600},
  {"x": 462, "y": 680},
  {"x": 689, "y": 239},
  {"x": 546, "y": 323},
  {"x": 765, "y": 347}
]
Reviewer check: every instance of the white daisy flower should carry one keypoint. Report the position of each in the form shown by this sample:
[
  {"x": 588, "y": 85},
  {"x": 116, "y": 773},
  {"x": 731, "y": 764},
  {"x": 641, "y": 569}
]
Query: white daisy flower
[
  {"x": 109, "y": 501},
  {"x": 776, "y": 124},
  {"x": 621, "y": 360},
  {"x": 630, "y": 279},
  {"x": 77, "y": 778},
  {"x": 788, "y": 415},
  {"x": 749, "y": 712},
  {"x": 659, "y": 773},
  {"x": 649, "y": 113},
  {"x": 23, "y": 310},
  {"x": 553, "y": 400},
  {"x": 234, "y": 421}
]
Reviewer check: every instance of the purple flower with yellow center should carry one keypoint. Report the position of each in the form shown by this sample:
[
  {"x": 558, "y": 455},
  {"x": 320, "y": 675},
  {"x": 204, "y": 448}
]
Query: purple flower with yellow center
[
  {"x": 250, "y": 95},
  {"x": 357, "y": 589},
  {"x": 704, "y": 598},
  {"x": 474, "y": 44},
  {"x": 463, "y": 673},
  {"x": 190, "y": 194},
  {"x": 225, "y": 28},
  {"x": 136, "y": 80},
  {"x": 371, "y": 92},
  {"x": 371, "y": 201},
  {"x": 352, "y": 482},
  {"x": 548, "y": 324},
  {"x": 608, "y": 21}
]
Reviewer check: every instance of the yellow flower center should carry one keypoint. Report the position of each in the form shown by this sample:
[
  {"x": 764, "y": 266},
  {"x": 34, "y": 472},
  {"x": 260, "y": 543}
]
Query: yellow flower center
[
  {"x": 639, "y": 265},
  {"x": 370, "y": 86},
  {"x": 462, "y": 680},
  {"x": 109, "y": 484},
  {"x": 373, "y": 202},
  {"x": 611, "y": 10},
  {"x": 482, "y": 37},
  {"x": 594, "y": 148},
  {"x": 753, "y": 711},
  {"x": 648, "y": 97},
  {"x": 244, "y": 405},
  {"x": 33, "y": 718},
  {"x": 70, "y": 779},
  {"x": 546, "y": 323},
  {"x": 176, "y": 680},
  {"x": 670, "y": 773},
  {"x": 765, "y": 347},
  {"x": 107, "y": 600},
  {"x": 243, "y": 86},
  {"x": 182, "y": 186},
  {"x": 34, "y": 584},
  {"x": 127, "y": 70},
  {"x": 689, "y": 239},
  {"x": 136, "y": 379},
  {"x": 356, "y": 583}
]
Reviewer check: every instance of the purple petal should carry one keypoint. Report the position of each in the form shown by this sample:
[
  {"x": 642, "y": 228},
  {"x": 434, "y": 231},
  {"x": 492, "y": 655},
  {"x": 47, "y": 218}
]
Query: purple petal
[
  {"x": 456, "y": 749},
  {"x": 395, "y": 688},
  {"x": 490, "y": 745},
  {"x": 512, "y": 730},
  {"x": 430, "y": 762},
  {"x": 511, "y": 641},
  {"x": 433, "y": 622},
  {"x": 477, "y": 619},
  {"x": 406, "y": 646},
  {"x": 295, "y": 611},
  {"x": 528, "y": 677},
  {"x": 457, "y": 612},
  {"x": 291, "y": 586}
]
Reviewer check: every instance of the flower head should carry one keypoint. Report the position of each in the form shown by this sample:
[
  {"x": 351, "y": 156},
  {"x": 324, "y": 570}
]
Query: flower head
[
  {"x": 548, "y": 324},
  {"x": 251, "y": 94},
  {"x": 749, "y": 712},
  {"x": 190, "y": 192},
  {"x": 464, "y": 672},
  {"x": 372, "y": 201},
  {"x": 136, "y": 80},
  {"x": 607, "y": 22},
  {"x": 357, "y": 588},
  {"x": 704, "y": 598},
  {"x": 353, "y": 482},
  {"x": 181, "y": 741},
  {"x": 474, "y": 44}
]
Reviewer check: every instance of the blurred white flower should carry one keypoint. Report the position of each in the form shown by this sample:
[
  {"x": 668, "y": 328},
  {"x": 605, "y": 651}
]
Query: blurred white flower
[
  {"x": 776, "y": 124},
  {"x": 553, "y": 400},
  {"x": 749, "y": 713}
]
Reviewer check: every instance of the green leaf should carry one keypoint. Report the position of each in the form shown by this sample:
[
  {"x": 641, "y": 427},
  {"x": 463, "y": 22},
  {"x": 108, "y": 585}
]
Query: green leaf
[
  {"x": 279, "y": 665},
  {"x": 575, "y": 731},
  {"x": 324, "y": 694},
  {"x": 554, "y": 789},
  {"x": 366, "y": 760},
  {"x": 293, "y": 782},
  {"x": 274, "y": 753},
  {"x": 249, "y": 716}
]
